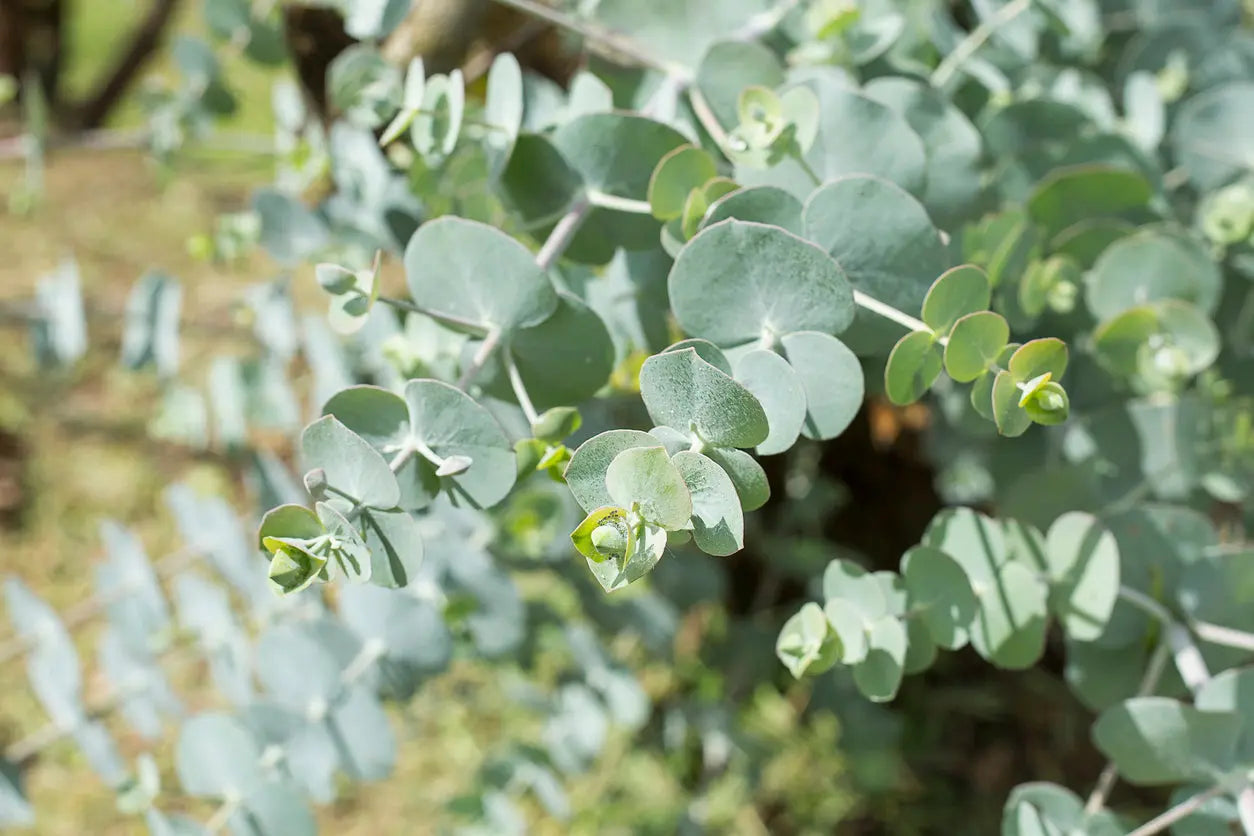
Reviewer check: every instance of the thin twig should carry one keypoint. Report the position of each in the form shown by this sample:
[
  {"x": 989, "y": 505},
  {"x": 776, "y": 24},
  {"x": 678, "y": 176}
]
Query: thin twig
[
  {"x": 1245, "y": 809},
  {"x": 976, "y": 39},
  {"x": 706, "y": 116},
  {"x": 443, "y": 318},
  {"x": 1189, "y": 661},
  {"x": 520, "y": 389},
  {"x": 1226, "y": 636},
  {"x": 889, "y": 312},
  {"x": 561, "y": 236},
  {"x": 618, "y": 204},
  {"x": 486, "y": 349},
  {"x": 1110, "y": 774},
  {"x": 609, "y": 44},
  {"x": 1182, "y": 810},
  {"x": 222, "y": 816},
  {"x": 89, "y": 608},
  {"x": 1145, "y": 603}
]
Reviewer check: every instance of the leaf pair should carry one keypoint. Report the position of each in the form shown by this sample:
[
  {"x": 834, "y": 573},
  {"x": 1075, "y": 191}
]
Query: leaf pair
[
  {"x": 353, "y": 294},
  {"x": 478, "y": 279},
  {"x": 773, "y": 125},
  {"x": 972, "y": 579},
  {"x": 775, "y": 300},
  {"x": 639, "y": 486},
  {"x": 1013, "y": 385},
  {"x": 307, "y": 546}
]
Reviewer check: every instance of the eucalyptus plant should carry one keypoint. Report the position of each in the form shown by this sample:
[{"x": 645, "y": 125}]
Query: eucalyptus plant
[{"x": 740, "y": 222}]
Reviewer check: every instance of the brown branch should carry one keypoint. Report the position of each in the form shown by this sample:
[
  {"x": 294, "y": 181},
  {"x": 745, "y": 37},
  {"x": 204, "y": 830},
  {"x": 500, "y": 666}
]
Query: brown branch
[{"x": 144, "y": 42}]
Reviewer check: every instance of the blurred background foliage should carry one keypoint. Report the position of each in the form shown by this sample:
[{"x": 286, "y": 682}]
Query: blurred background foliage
[
  {"x": 810, "y": 756},
  {"x": 74, "y": 448}
]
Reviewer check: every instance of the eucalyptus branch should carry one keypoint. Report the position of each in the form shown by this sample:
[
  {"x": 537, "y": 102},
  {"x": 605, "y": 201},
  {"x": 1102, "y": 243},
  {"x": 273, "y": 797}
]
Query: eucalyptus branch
[
  {"x": 557, "y": 242},
  {"x": 520, "y": 389},
  {"x": 23, "y": 751},
  {"x": 1245, "y": 809},
  {"x": 1226, "y": 636},
  {"x": 88, "y": 609},
  {"x": 486, "y": 348},
  {"x": 887, "y": 311},
  {"x": 976, "y": 39},
  {"x": 371, "y": 651},
  {"x": 609, "y": 44},
  {"x": 401, "y": 457},
  {"x": 619, "y": 204},
  {"x": 222, "y": 816},
  {"x": 561, "y": 236},
  {"x": 1182, "y": 810},
  {"x": 1195, "y": 674},
  {"x": 706, "y": 116},
  {"x": 443, "y": 318},
  {"x": 1146, "y": 604},
  {"x": 1189, "y": 661},
  {"x": 1149, "y": 682}
]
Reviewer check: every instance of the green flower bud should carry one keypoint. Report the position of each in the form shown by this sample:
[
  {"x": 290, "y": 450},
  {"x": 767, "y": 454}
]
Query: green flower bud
[
  {"x": 1162, "y": 364},
  {"x": 1032, "y": 387},
  {"x": 1048, "y": 404},
  {"x": 1228, "y": 216},
  {"x": 609, "y": 540},
  {"x": 294, "y": 565},
  {"x": 316, "y": 483},
  {"x": 1061, "y": 296},
  {"x": 554, "y": 461},
  {"x": 605, "y": 534}
]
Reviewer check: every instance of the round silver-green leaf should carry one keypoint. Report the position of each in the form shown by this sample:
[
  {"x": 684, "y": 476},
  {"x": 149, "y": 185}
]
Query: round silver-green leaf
[
  {"x": 737, "y": 281},
  {"x": 718, "y": 525},
  {"x": 470, "y": 270}
]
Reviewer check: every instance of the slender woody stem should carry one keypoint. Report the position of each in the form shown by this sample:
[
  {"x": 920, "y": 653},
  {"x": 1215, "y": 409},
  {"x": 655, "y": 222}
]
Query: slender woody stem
[
  {"x": 561, "y": 236},
  {"x": 1110, "y": 774},
  {"x": 619, "y": 204},
  {"x": 443, "y": 318},
  {"x": 706, "y": 116},
  {"x": 1226, "y": 636},
  {"x": 609, "y": 44},
  {"x": 88, "y": 608},
  {"x": 520, "y": 389},
  {"x": 889, "y": 312},
  {"x": 1195, "y": 674},
  {"x": 222, "y": 816},
  {"x": 978, "y": 36},
  {"x": 486, "y": 348},
  {"x": 1245, "y": 809},
  {"x": 1182, "y": 810}
]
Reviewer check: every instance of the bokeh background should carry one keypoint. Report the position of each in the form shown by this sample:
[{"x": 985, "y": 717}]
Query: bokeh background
[{"x": 77, "y": 446}]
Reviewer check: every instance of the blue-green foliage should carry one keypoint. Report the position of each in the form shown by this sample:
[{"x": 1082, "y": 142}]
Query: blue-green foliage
[{"x": 753, "y": 233}]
